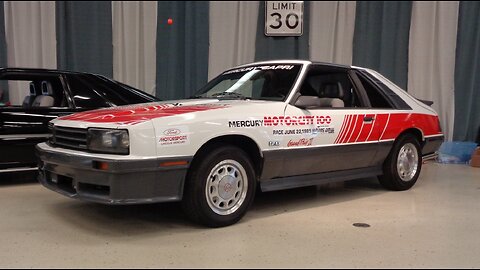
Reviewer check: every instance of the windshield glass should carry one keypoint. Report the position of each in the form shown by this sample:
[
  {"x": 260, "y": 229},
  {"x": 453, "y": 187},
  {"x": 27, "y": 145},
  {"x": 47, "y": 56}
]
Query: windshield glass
[{"x": 270, "y": 82}]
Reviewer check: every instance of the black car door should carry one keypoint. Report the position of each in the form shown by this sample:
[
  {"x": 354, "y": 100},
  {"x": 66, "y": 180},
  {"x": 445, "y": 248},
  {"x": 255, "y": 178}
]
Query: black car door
[{"x": 24, "y": 118}]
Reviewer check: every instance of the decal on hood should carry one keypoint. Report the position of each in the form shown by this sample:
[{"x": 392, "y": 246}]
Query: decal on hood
[{"x": 134, "y": 114}]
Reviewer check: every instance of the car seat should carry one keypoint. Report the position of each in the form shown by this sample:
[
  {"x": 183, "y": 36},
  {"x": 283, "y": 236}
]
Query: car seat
[
  {"x": 46, "y": 99},
  {"x": 28, "y": 100},
  {"x": 331, "y": 95}
]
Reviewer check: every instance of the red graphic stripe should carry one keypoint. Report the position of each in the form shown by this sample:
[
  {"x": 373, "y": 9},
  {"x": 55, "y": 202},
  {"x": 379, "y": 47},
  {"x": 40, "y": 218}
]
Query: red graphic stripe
[
  {"x": 367, "y": 129},
  {"x": 349, "y": 132},
  {"x": 135, "y": 114},
  {"x": 347, "y": 124},
  {"x": 356, "y": 129},
  {"x": 385, "y": 127},
  {"x": 428, "y": 124},
  {"x": 378, "y": 127},
  {"x": 341, "y": 129}
]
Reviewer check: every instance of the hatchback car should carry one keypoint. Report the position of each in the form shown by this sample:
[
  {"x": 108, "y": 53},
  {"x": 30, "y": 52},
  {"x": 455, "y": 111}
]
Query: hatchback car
[
  {"x": 273, "y": 125},
  {"x": 33, "y": 97}
]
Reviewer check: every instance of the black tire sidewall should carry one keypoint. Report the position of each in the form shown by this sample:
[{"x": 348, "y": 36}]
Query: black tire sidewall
[
  {"x": 197, "y": 181},
  {"x": 391, "y": 178}
]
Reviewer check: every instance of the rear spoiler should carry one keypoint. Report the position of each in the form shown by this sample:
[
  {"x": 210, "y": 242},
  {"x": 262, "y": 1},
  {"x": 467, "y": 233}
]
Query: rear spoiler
[{"x": 427, "y": 102}]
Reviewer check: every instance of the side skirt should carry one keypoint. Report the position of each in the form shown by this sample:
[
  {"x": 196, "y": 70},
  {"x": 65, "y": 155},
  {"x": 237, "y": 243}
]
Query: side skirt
[{"x": 318, "y": 179}]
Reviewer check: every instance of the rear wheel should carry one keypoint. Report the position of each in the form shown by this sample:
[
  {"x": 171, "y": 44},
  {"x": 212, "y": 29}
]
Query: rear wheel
[
  {"x": 220, "y": 187},
  {"x": 402, "y": 166}
]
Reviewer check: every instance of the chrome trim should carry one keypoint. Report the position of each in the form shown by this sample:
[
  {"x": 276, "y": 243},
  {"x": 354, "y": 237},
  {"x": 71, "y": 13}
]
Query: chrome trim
[
  {"x": 430, "y": 157},
  {"x": 19, "y": 169},
  {"x": 433, "y": 136},
  {"x": 24, "y": 136},
  {"x": 298, "y": 81}
]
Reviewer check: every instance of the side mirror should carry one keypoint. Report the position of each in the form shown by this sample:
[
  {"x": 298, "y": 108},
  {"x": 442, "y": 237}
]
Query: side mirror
[{"x": 305, "y": 102}]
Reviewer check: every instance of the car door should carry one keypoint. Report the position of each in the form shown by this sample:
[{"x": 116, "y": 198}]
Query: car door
[
  {"x": 341, "y": 133},
  {"x": 24, "y": 122}
]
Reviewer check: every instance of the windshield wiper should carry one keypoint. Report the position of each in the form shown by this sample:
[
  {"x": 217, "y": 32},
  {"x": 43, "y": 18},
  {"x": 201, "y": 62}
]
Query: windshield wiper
[
  {"x": 229, "y": 95},
  {"x": 196, "y": 96}
]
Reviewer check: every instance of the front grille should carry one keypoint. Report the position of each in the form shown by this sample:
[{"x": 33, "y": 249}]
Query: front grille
[{"x": 72, "y": 138}]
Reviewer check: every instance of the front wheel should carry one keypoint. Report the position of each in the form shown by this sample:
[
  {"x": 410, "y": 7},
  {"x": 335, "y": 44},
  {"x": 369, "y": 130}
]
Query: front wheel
[
  {"x": 220, "y": 187},
  {"x": 402, "y": 166}
]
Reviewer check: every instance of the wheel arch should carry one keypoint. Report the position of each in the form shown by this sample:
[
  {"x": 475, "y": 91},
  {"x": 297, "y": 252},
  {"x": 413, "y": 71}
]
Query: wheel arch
[
  {"x": 418, "y": 133},
  {"x": 241, "y": 141}
]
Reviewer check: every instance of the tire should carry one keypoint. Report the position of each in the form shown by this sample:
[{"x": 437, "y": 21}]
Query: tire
[
  {"x": 403, "y": 164},
  {"x": 220, "y": 186}
]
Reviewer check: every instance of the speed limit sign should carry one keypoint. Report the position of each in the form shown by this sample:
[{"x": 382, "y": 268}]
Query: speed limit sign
[{"x": 283, "y": 18}]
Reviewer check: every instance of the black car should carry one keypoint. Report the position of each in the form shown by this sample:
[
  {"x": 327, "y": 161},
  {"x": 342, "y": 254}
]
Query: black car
[{"x": 36, "y": 96}]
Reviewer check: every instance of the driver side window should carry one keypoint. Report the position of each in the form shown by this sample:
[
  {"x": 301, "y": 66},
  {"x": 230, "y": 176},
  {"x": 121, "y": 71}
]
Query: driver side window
[{"x": 334, "y": 89}]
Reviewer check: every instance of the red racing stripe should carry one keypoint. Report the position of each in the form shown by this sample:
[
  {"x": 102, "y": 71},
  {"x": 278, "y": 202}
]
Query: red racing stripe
[
  {"x": 399, "y": 122},
  {"x": 378, "y": 127},
  {"x": 367, "y": 128},
  {"x": 345, "y": 118},
  {"x": 349, "y": 132},
  {"x": 356, "y": 129},
  {"x": 345, "y": 128}
]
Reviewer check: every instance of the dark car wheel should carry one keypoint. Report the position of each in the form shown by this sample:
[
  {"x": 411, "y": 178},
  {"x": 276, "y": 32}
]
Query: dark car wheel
[
  {"x": 402, "y": 166},
  {"x": 220, "y": 187}
]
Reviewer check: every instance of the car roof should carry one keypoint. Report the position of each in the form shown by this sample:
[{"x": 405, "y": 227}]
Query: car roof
[
  {"x": 293, "y": 61},
  {"x": 42, "y": 70}
]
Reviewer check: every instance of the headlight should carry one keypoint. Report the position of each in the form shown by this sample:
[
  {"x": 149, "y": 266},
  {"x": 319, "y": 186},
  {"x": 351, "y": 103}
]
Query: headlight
[{"x": 114, "y": 141}]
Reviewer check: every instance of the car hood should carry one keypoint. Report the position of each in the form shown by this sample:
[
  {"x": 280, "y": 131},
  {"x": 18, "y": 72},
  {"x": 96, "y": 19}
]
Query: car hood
[{"x": 138, "y": 113}]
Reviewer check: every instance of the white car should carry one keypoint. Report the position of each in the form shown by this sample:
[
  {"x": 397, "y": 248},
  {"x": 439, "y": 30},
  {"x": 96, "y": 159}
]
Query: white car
[{"x": 275, "y": 125}]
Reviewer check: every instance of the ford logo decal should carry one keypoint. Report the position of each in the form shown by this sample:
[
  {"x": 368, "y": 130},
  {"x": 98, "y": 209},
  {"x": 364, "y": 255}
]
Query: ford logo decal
[{"x": 172, "y": 132}]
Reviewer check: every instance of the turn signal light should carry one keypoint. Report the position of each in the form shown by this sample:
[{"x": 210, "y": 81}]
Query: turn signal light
[
  {"x": 173, "y": 163},
  {"x": 100, "y": 165}
]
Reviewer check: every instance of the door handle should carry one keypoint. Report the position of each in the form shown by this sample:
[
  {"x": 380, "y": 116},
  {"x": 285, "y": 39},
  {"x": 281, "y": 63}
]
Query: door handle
[{"x": 368, "y": 118}]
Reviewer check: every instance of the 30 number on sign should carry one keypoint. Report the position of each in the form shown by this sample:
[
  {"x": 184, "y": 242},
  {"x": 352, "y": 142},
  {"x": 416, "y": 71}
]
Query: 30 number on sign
[{"x": 283, "y": 18}]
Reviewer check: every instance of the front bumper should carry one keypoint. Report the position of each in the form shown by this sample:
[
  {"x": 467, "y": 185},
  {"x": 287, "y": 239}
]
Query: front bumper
[{"x": 132, "y": 181}]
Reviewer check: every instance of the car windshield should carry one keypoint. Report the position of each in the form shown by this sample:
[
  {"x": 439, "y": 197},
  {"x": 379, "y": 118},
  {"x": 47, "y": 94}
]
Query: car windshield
[{"x": 270, "y": 82}]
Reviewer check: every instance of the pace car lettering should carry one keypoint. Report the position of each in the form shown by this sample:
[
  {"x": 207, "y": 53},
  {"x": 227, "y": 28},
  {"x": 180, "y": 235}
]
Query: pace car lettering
[
  {"x": 245, "y": 123},
  {"x": 304, "y": 131},
  {"x": 297, "y": 120},
  {"x": 287, "y": 67},
  {"x": 300, "y": 142}
]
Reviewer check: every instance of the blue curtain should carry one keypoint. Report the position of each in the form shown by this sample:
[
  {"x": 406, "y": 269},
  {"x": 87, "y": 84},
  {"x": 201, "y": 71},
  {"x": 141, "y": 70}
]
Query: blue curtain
[
  {"x": 467, "y": 68},
  {"x": 182, "y": 48},
  {"x": 84, "y": 36},
  {"x": 381, "y": 38},
  {"x": 274, "y": 48},
  {"x": 3, "y": 54}
]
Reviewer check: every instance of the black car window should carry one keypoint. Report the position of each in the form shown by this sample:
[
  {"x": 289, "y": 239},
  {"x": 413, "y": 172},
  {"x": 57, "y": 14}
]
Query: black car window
[
  {"x": 377, "y": 100},
  {"x": 97, "y": 91},
  {"x": 333, "y": 87},
  {"x": 121, "y": 94},
  {"x": 32, "y": 91},
  {"x": 84, "y": 95}
]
